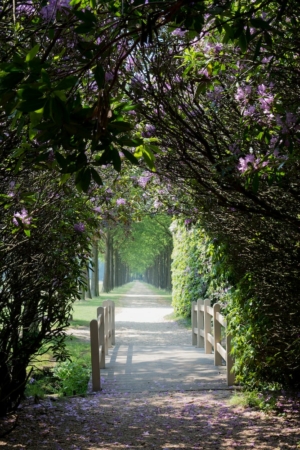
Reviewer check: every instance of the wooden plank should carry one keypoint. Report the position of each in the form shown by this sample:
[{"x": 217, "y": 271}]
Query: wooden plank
[
  {"x": 210, "y": 310},
  {"x": 222, "y": 351},
  {"x": 202, "y": 333},
  {"x": 210, "y": 338},
  {"x": 221, "y": 319},
  {"x": 196, "y": 330}
]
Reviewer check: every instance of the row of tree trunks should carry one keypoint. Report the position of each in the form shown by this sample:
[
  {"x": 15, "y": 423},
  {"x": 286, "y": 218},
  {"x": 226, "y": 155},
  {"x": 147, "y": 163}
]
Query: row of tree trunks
[
  {"x": 115, "y": 272},
  {"x": 91, "y": 288},
  {"x": 159, "y": 275}
]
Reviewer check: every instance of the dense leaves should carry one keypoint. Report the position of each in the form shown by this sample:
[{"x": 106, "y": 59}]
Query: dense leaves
[{"x": 44, "y": 250}]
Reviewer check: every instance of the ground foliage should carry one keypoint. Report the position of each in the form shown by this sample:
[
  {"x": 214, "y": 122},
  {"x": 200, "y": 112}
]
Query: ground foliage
[
  {"x": 44, "y": 251},
  {"x": 197, "y": 269}
]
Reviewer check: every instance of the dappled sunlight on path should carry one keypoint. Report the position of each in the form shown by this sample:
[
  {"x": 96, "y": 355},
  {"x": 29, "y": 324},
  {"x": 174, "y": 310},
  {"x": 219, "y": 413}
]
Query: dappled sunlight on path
[{"x": 159, "y": 393}]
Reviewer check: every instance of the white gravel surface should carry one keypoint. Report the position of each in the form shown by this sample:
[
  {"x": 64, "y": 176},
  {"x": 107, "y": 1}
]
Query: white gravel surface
[{"x": 142, "y": 320}]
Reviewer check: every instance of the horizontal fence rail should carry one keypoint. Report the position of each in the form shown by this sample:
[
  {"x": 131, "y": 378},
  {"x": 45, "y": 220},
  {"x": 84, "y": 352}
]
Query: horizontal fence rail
[
  {"x": 102, "y": 337},
  {"x": 204, "y": 319}
]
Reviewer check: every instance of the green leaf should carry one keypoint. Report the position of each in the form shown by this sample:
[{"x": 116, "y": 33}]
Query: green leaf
[
  {"x": 31, "y": 105},
  {"x": 84, "y": 28},
  {"x": 33, "y": 52},
  {"x": 257, "y": 49},
  {"x": 28, "y": 93},
  {"x": 99, "y": 75},
  {"x": 64, "y": 178},
  {"x": 66, "y": 83},
  {"x": 120, "y": 126},
  {"x": 96, "y": 177},
  {"x": 124, "y": 140},
  {"x": 10, "y": 80},
  {"x": 45, "y": 77},
  {"x": 61, "y": 160},
  {"x": 83, "y": 179},
  {"x": 58, "y": 111},
  {"x": 130, "y": 157},
  {"x": 268, "y": 39},
  {"x": 243, "y": 42},
  {"x": 75, "y": 129},
  {"x": 27, "y": 232},
  {"x": 146, "y": 152},
  {"x": 86, "y": 16},
  {"x": 116, "y": 160},
  {"x": 259, "y": 23}
]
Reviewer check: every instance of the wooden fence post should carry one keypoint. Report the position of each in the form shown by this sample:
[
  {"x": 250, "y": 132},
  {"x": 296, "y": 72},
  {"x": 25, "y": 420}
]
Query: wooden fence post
[
  {"x": 113, "y": 336},
  {"x": 104, "y": 304},
  {"x": 217, "y": 335},
  {"x": 194, "y": 323},
  {"x": 96, "y": 381},
  {"x": 229, "y": 362},
  {"x": 200, "y": 324},
  {"x": 207, "y": 328},
  {"x": 100, "y": 315}
]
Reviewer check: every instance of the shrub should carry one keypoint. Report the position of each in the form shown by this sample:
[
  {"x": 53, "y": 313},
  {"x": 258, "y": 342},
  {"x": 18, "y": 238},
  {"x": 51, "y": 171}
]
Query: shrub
[{"x": 73, "y": 377}]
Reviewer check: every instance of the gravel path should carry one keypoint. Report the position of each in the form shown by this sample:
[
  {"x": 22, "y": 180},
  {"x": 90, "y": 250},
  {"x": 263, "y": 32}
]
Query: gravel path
[
  {"x": 200, "y": 420},
  {"x": 142, "y": 320}
]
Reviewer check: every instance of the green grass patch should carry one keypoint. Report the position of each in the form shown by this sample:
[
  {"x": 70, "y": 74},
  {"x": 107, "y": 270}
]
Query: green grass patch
[
  {"x": 86, "y": 310},
  {"x": 182, "y": 321},
  {"x": 63, "y": 378},
  {"x": 166, "y": 295},
  {"x": 255, "y": 399},
  {"x": 70, "y": 377}
]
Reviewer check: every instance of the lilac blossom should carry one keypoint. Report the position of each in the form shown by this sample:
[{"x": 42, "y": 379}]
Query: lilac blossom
[
  {"x": 149, "y": 131},
  {"x": 109, "y": 76},
  {"x": 121, "y": 201},
  {"x": 49, "y": 12},
  {"x": 179, "y": 32},
  {"x": 234, "y": 148},
  {"x": 25, "y": 8},
  {"x": 242, "y": 94},
  {"x": 137, "y": 79},
  {"x": 245, "y": 162},
  {"x": 157, "y": 204},
  {"x": 204, "y": 73},
  {"x": 144, "y": 179},
  {"x": 249, "y": 111},
  {"x": 79, "y": 227},
  {"x": 216, "y": 94},
  {"x": 23, "y": 217}
]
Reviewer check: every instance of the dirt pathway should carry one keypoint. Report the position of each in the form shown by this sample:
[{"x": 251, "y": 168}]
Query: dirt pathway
[
  {"x": 142, "y": 320},
  {"x": 163, "y": 420}
]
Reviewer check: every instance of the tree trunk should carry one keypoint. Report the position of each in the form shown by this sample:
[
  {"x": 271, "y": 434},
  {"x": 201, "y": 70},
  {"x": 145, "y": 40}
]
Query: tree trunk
[{"x": 95, "y": 268}]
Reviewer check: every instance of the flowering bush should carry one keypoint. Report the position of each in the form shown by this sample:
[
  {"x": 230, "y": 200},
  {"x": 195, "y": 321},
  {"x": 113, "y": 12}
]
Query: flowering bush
[{"x": 42, "y": 271}]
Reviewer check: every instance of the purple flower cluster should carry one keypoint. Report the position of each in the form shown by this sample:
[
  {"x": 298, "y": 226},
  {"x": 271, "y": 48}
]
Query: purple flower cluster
[
  {"x": 23, "y": 217},
  {"x": 242, "y": 94},
  {"x": 49, "y": 12},
  {"x": 79, "y": 227},
  {"x": 149, "y": 131},
  {"x": 121, "y": 201},
  {"x": 250, "y": 161},
  {"x": 179, "y": 32}
]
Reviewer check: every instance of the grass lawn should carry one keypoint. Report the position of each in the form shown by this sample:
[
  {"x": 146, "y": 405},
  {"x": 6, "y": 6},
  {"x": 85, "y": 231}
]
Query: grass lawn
[{"x": 86, "y": 310}]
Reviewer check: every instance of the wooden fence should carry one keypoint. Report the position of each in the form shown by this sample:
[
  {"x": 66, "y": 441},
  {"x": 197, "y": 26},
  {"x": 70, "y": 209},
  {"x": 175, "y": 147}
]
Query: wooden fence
[
  {"x": 204, "y": 320},
  {"x": 102, "y": 336}
]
